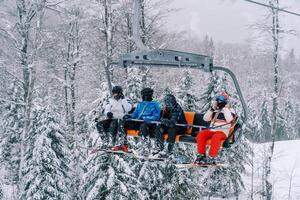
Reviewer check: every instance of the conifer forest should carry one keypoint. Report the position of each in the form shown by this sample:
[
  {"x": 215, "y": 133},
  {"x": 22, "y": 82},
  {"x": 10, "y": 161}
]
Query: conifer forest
[{"x": 60, "y": 60}]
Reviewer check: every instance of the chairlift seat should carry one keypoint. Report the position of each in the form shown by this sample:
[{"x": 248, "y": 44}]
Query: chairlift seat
[{"x": 189, "y": 136}]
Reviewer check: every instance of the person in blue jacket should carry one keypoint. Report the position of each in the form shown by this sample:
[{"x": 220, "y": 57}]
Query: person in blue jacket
[{"x": 147, "y": 110}]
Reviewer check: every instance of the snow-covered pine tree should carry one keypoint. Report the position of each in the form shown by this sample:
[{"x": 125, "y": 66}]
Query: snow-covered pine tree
[
  {"x": 185, "y": 93},
  {"x": 167, "y": 90},
  {"x": 1, "y": 191},
  {"x": 45, "y": 172},
  {"x": 10, "y": 138},
  {"x": 287, "y": 121},
  {"x": 208, "y": 46},
  {"x": 297, "y": 121},
  {"x": 227, "y": 181},
  {"x": 264, "y": 117},
  {"x": 107, "y": 176},
  {"x": 212, "y": 89},
  {"x": 133, "y": 85},
  {"x": 161, "y": 180}
]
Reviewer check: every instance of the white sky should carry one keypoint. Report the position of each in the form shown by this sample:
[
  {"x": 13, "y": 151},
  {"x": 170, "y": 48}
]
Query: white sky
[{"x": 228, "y": 20}]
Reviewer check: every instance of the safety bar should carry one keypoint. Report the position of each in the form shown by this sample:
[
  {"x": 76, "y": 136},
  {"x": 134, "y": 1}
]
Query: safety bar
[{"x": 182, "y": 125}]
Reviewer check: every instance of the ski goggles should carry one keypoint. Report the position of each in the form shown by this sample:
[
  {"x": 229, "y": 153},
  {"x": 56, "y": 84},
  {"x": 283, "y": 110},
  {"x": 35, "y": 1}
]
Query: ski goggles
[{"x": 220, "y": 98}]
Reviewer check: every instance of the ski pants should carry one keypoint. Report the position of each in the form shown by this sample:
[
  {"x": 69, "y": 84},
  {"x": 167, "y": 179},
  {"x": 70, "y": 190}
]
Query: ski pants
[
  {"x": 216, "y": 141},
  {"x": 111, "y": 127},
  {"x": 145, "y": 130},
  {"x": 172, "y": 132}
]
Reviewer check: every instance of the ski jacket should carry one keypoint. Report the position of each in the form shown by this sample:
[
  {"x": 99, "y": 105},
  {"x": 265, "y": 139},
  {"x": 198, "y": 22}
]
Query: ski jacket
[
  {"x": 174, "y": 116},
  {"x": 219, "y": 118},
  {"x": 118, "y": 107},
  {"x": 147, "y": 110}
]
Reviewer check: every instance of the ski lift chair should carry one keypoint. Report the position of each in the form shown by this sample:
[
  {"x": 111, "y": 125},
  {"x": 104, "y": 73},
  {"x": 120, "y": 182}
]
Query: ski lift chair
[{"x": 165, "y": 58}]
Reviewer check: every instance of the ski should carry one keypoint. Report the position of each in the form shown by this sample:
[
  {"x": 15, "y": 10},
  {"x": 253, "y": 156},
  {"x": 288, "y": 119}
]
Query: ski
[
  {"x": 134, "y": 155},
  {"x": 191, "y": 165}
]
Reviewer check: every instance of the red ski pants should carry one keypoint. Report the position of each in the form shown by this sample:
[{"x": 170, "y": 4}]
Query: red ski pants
[{"x": 216, "y": 140}]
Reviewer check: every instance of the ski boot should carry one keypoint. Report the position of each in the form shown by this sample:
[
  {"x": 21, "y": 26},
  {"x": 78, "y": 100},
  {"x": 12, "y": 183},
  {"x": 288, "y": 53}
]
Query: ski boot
[
  {"x": 210, "y": 160},
  {"x": 201, "y": 159},
  {"x": 166, "y": 153}
]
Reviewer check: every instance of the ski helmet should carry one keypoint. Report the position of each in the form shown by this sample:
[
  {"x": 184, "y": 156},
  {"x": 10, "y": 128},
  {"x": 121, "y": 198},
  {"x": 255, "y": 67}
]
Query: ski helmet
[
  {"x": 222, "y": 96},
  {"x": 147, "y": 91},
  {"x": 117, "y": 90},
  {"x": 147, "y": 94}
]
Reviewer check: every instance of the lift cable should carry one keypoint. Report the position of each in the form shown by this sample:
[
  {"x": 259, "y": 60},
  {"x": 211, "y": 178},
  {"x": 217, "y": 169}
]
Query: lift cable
[{"x": 269, "y": 6}]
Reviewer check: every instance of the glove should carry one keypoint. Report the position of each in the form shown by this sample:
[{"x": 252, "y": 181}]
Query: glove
[
  {"x": 147, "y": 120},
  {"x": 164, "y": 121},
  {"x": 212, "y": 109},
  {"x": 96, "y": 119},
  {"x": 109, "y": 115},
  {"x": 125, "y": 117}
]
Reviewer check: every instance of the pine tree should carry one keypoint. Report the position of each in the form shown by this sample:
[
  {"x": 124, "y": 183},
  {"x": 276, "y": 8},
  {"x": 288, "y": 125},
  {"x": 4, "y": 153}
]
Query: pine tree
[
  {"x": 1, "y": 191},
  {"x": 264, "y": 117},
  {"x": 161, "y": 180},
  {"x": 227, "y": 181},
  {"x": 297, "y": 121},
  {"x": 286, "y": 127},
  {"x": 134, "y": 85},
  {"x": 211, "y": 91},
  {"x": 45, "y": 172},
  {"x": 11, "y": 129},
  {"x": 106, "y": 175},
  {"x": 109, "y": 176},
  {"x": 208, "y": 46},
  {"x": 186, "y": 95}
]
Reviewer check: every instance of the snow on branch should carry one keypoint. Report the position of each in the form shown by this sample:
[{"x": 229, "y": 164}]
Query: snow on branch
[{"x": 9, "y": 101}]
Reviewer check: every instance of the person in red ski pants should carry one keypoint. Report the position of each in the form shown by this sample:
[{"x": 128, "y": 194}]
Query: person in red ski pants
[{"x": 219, "y": 115}]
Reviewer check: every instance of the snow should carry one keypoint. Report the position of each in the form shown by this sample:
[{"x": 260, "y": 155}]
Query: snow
[{"x": 285, "y": 169}]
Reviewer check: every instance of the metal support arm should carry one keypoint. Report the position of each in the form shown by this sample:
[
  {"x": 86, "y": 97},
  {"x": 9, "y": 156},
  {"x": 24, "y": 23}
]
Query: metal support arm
[{"x": 238, "y": 89}]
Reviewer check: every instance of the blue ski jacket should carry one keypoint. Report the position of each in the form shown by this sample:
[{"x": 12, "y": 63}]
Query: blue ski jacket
[{"x": 147, "y": 110}]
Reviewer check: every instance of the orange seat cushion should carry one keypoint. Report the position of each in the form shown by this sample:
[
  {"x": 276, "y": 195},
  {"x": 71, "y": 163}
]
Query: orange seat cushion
[
  {"x": 189, "y": 116},
  {"x": 134, "y": 133}
]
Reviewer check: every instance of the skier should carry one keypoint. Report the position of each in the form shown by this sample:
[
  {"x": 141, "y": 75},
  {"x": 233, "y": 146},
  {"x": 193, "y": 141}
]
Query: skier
[
  {"x": 172, "y": 115},
  {"x": 147, "y": 110},
  {"x": 115, "y": 110},
  {"x": 218, "y": 115}
]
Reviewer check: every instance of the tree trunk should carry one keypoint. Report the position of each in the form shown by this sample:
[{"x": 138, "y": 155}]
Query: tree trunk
[
  {"x": 25, "y": 17},
  {"x": 66, "y": 71},
  {"x": 144, "y": 70},
  {"x": 108, "y": 33},
  {"x": 24, "y": 32},
  {"x": 275, "y": 36}
]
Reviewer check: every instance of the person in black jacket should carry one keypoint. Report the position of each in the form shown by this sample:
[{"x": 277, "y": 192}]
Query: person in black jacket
[{"x": 172, "y": 114}]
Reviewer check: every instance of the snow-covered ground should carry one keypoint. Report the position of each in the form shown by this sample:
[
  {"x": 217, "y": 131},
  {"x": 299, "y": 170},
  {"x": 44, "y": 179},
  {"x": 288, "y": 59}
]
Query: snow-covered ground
[{"x": 285, "y": 171}]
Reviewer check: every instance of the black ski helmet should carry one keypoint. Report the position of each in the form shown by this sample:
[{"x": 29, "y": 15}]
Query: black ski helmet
[
  {"x": 147, "y": 94},
  {"x": 170, "y": 101},
  {"x": 117, "y": 90}
]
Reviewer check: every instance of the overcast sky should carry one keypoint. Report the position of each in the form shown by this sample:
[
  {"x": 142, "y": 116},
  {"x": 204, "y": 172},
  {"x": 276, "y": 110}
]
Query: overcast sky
[{"x": 228, "y": 20}]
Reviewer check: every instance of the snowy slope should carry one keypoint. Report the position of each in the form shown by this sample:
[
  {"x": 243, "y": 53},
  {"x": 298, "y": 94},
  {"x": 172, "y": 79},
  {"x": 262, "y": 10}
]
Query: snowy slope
[{"x": 285, "y": 171}]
